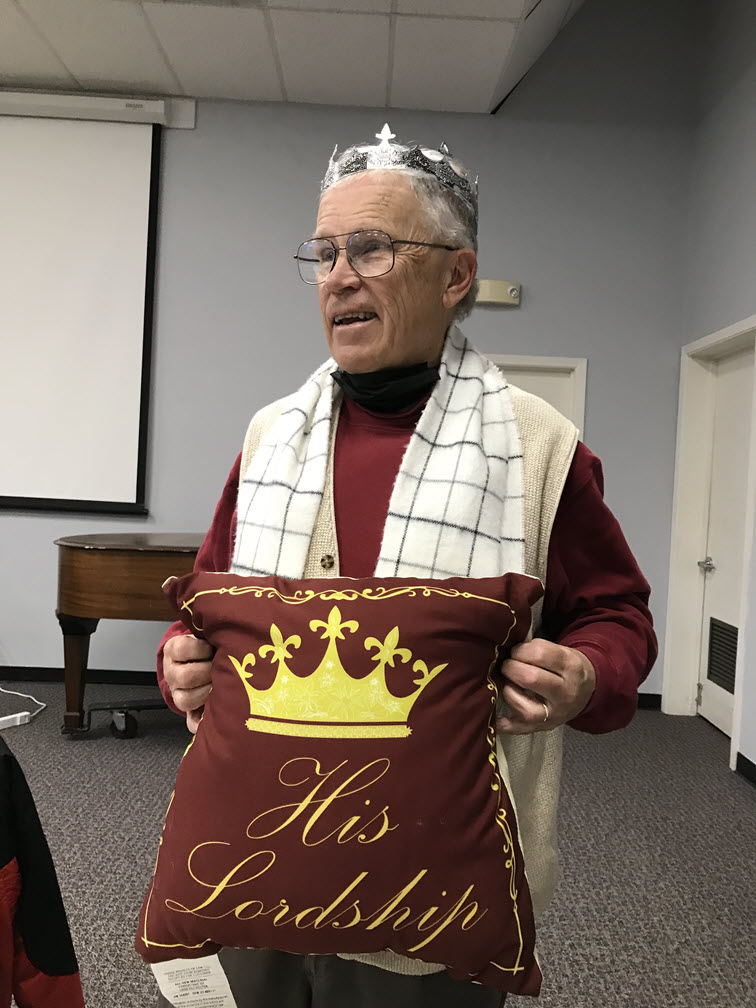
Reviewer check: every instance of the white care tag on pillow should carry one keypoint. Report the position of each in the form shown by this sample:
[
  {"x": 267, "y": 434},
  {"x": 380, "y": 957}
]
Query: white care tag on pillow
[{"x": 194, "y": 983}]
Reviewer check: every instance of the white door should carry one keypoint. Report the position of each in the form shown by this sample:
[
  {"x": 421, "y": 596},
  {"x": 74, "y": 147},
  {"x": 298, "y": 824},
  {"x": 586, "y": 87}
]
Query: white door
[
  {"x": 726, "y": 534},
  {"x": 558, "y": 380}
]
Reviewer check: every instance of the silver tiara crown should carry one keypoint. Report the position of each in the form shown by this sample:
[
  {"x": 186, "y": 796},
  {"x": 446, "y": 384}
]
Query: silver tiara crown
[{"x": 438, "y": 163}]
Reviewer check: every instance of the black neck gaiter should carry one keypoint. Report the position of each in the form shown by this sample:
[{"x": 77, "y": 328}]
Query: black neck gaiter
[{"x": 390, "y": 390}]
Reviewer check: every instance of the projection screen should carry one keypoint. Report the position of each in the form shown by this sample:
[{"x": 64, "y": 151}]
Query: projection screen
[{"x": 78, "y": 205}]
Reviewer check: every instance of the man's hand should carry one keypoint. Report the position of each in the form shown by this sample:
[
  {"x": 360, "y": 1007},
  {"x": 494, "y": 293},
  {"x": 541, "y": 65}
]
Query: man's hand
[
  {"x": 186, "y": 668},
  {"x": 545, "y": 686}
]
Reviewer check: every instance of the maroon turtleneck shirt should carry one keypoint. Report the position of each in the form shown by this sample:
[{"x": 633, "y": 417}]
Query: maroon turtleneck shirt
[{"x": 596, "y": 599}]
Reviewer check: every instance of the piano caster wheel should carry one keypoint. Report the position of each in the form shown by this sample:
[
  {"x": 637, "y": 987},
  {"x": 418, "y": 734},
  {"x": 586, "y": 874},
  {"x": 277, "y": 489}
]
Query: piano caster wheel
[{"x": 123, "y": 725}]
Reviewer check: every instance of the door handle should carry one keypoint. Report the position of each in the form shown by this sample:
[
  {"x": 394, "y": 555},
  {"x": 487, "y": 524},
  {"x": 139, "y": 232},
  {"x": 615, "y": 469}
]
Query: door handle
[{"x": 707, "y": 565}]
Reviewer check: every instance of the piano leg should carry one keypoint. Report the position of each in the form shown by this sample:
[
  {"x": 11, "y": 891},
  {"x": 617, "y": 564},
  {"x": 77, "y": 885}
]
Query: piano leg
[{"x": 76, "y": 633}]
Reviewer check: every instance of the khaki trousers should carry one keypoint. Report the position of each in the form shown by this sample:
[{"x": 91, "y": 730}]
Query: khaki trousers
[{"x": 261, "y": 978}]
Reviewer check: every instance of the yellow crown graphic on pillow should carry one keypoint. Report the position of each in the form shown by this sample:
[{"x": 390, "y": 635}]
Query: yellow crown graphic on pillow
[{"x": 330, "y": 703}]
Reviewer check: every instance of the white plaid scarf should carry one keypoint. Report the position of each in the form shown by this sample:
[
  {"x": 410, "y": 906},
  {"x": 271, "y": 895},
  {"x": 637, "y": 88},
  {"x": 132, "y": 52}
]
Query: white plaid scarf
[{"x": 456, "y": 506}]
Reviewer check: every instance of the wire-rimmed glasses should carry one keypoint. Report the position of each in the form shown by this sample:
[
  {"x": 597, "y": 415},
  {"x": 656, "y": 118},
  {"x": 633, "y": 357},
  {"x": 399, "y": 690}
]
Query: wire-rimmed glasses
[{"x": 369, "y": 253}]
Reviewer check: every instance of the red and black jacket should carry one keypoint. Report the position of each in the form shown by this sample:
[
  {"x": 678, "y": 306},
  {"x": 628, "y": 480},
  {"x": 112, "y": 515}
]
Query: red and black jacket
[{"x": 37, "y": 962}]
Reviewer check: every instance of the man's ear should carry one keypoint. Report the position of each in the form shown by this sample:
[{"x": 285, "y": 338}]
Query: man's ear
[{"x": 460, "y": 277}]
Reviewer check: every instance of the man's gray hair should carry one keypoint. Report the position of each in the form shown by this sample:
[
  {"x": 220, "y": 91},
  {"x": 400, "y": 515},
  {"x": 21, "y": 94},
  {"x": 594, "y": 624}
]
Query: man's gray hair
[{"x": 452, "y": 222}]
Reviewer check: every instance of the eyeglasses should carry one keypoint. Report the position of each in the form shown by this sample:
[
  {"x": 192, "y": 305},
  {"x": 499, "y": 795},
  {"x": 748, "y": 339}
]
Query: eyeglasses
[{"x": 369, "y": 253}]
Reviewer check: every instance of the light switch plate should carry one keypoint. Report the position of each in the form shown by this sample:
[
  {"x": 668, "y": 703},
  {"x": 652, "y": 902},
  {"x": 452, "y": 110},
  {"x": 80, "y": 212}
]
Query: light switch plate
[{"x": 503, "y": 292}]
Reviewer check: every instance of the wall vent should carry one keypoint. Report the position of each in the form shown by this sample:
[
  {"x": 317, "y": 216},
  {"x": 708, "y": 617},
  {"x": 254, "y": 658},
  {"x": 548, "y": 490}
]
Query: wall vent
[{"x": 723, "y": 652}]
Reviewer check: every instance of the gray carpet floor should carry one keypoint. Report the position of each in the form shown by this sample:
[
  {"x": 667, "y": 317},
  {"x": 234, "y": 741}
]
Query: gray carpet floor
[{"x": 656, "y": 908}]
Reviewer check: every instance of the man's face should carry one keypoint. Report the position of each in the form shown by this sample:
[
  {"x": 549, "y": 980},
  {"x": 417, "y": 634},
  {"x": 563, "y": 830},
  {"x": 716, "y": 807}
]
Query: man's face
[{"x": 409, "y": 319}]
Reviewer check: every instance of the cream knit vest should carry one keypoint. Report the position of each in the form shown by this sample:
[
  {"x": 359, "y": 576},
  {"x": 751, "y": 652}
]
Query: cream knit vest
[{"x": 530, "y": 764}]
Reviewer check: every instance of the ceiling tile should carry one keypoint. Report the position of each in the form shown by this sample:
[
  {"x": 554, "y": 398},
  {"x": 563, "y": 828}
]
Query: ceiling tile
[
  {"x": 333, "y": 59},
  {"x": 420, "y": 80},
  {"x": 359, "y": 6},
  {"x": 25, "y": 59},
  {"x": 206, "y": 3},
  {"x": 464, "y": 8},
  {"x": 105, "y": 45},
  {"x": 217, "y": 52}
]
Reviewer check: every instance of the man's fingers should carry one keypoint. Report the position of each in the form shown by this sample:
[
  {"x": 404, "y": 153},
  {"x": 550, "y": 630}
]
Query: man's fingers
[
  {"x": 187, "y": 676},
  {"x": 545, "y": 685},
  {"x": 187, "y": 648},
  {"x": 525, "y": 709},
  {"x": 509, "y": 726},
  {"x": 187, "y": 663},
  {"x": 187, "y": 669},
  {"x": 193, "y": 719},
  {"x": 531, "y": 677},
  {"x": 190, "y": 699},
  {"x": 528, "y": 714},
  {"x": 542, "y": 653}
]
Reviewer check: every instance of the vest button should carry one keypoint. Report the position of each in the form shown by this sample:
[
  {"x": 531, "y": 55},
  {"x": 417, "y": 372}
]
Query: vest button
[{"x": 327, "y": 561}]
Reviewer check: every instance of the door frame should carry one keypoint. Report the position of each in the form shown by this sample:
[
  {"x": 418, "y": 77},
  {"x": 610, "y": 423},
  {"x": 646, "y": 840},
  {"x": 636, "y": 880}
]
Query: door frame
[{"x": 690, "y": 516}]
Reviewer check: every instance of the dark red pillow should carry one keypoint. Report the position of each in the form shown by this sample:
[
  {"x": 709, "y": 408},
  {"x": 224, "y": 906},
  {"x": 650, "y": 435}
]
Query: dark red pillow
[{"x": 342, "y": 792}]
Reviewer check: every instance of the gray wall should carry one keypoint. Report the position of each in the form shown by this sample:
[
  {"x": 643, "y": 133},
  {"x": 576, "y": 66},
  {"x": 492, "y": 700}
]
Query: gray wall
[
  {"x": 581, "y": 201},
  {"x": 721, "y": 267}
]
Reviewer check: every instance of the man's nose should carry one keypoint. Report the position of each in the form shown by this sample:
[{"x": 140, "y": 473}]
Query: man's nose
[{"x": 343, "y": 276}]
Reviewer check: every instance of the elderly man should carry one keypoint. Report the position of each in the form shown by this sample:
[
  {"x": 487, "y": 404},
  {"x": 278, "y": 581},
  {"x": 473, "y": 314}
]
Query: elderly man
[{"x": 379, "y": 469}]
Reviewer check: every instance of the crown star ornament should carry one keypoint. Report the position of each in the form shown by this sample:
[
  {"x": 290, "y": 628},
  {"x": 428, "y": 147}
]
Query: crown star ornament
[
  {"x": 329, "y": 702},
  {"x": 437, "y": 163}
]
